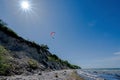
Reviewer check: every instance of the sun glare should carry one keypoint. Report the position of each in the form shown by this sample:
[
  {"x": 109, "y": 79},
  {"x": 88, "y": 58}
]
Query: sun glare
[{"x": 25, "y": 5}]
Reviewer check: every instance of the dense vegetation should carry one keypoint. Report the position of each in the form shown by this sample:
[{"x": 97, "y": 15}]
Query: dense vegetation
[
  {"x": 45, "y": 47},
  {"x": 8, "y": 31},
  {"x": 3, "y": 27},
  {"x": 53, "y": 57},
  {"x": 5, "y": 66}
]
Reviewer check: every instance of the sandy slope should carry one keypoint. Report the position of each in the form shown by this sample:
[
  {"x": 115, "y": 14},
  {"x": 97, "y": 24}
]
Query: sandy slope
[{"x": 53, "y": 75}]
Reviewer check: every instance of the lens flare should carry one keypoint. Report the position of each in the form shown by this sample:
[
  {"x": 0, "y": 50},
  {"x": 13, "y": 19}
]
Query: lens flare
[{"x": 25, "y": 5}]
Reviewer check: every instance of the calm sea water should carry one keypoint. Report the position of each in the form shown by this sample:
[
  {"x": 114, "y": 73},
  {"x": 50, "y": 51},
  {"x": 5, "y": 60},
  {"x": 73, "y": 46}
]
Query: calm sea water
[{"x": 100, "y": 74}]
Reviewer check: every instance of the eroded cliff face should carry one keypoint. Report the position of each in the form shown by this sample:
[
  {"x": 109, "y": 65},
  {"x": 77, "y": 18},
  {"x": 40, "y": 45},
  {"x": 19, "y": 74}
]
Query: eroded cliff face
[
  {"x": 26, "y": 56},
  {"x": 20, "y": 56}
]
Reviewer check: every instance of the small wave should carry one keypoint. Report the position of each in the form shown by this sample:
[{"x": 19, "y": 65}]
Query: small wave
[
  {"x": 99, "y": 74},
  {"x": 88, "y": 76}
]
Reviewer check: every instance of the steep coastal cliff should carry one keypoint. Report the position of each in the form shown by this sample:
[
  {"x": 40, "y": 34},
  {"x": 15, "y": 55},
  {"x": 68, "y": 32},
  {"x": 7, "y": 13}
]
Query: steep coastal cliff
[{"x": 19, "y": 56}]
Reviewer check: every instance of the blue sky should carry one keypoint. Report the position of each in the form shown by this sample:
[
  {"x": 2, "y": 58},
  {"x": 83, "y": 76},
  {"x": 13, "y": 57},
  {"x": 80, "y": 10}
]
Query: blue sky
[{"x": 87, "y": 31}]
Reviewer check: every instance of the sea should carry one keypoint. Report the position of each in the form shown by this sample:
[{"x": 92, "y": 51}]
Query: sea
[{"x": 100, "y": 73}]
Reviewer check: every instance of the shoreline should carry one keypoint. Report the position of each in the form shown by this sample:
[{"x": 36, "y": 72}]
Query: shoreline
[
  {"x": 75, "y": 76},
  {"x": 52, "y": 75}
]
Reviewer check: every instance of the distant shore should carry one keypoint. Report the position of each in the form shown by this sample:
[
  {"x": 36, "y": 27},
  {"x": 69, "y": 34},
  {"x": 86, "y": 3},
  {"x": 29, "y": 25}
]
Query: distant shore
[{"x": 52, "y": 75}]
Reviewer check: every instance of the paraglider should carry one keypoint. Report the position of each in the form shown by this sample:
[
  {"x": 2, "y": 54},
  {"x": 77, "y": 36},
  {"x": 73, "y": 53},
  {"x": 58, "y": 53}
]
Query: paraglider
[{"x": 52, "y": 34}]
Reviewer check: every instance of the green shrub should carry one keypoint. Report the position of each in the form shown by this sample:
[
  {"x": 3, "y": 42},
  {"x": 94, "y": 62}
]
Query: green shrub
[
  {"x": 33, "y": 64},
  {"x": 70, "y": 65},
  {"x": 53, "y": 57},
  {"x": 2, "y": 50},
  {"x": 4, "y": 28},
  {"x": 4, "y": 68},
  {"x": 4, "y": 62},
  {"x": 45, "y": 47}
]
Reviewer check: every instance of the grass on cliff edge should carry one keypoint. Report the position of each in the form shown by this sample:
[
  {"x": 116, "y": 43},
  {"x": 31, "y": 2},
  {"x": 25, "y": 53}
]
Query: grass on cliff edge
[{"x": 55, "y": 58}]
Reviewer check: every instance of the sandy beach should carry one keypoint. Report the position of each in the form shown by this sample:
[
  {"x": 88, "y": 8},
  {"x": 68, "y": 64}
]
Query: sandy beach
[{"x": 53, "y": 75}]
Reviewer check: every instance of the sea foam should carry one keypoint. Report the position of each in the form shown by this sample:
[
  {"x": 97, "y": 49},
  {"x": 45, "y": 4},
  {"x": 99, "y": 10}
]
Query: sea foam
[{"x": 100, "y": 74}]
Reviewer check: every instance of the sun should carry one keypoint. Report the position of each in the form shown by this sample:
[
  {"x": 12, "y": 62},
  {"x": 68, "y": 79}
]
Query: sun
[{"x": 25, "y": 5}]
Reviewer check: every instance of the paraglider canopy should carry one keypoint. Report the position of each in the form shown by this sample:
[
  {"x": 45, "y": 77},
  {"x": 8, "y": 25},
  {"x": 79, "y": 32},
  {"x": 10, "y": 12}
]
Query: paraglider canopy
[{"x": 52, "y": 34}]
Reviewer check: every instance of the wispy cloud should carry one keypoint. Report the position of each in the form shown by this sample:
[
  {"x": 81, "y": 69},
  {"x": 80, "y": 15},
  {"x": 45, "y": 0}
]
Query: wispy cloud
[
  {"x": 108, "y": 62},
  {"x": 116, "y": 53}
]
